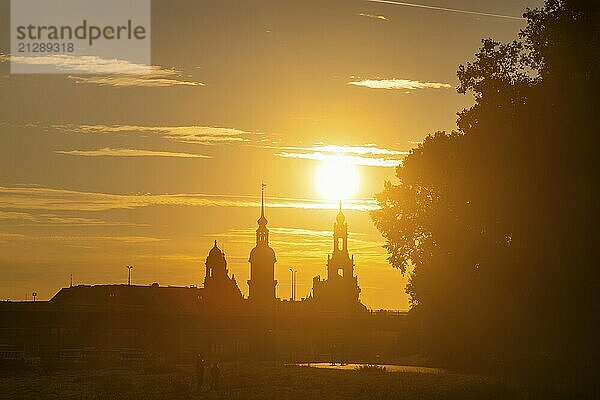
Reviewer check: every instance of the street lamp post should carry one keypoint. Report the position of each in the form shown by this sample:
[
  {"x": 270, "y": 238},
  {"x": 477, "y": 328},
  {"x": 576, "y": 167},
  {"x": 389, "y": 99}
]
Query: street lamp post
[
  {"x": 292, "y": 273},
  {"x": 129, "y": 268},
  {"x": 295, "y": 281}
]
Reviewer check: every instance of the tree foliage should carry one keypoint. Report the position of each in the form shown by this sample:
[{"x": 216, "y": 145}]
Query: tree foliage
[{"x": 496, "y": 223}]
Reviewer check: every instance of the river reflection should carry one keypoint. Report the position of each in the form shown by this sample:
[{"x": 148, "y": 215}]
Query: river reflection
[{"x": 388, "y": 367}]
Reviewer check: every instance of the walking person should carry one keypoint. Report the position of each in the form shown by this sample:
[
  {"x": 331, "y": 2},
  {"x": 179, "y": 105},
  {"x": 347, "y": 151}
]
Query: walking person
[
  {"x": 200, "y": 366},
  {"x": 215, "y": 374}
]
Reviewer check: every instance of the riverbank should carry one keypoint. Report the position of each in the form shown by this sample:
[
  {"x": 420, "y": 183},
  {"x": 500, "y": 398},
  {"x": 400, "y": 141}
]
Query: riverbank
[{"x": 269, "y": 381}]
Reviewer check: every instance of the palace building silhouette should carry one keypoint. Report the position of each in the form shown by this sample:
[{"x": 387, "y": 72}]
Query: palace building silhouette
[{"x": 95, "y": 321}]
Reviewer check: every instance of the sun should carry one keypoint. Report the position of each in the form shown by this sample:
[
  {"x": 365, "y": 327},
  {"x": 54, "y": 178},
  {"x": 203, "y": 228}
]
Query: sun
[{"x": 337, "y": 179}]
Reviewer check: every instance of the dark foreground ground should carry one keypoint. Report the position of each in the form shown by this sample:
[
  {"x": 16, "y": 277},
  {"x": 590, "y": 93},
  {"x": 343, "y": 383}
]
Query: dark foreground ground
[{"x": 271, "y": 381}]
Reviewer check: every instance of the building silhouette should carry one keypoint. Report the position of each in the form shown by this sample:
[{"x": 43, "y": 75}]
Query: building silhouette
[
  {"x": 340, "y": 290},
  {"x": 261, "y": 285},
  {"x": 89, "y": 322},
  {"x": 220, "y": 290}
]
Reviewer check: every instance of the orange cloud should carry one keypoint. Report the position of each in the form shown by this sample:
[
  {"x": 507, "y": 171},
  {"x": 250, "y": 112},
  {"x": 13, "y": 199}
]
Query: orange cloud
[
  {"x": 399, "y": 84},
  {"x": 106, "y": 72},
  {"x": 370, "y": 156},
  {"x": 108, "y": 152}
]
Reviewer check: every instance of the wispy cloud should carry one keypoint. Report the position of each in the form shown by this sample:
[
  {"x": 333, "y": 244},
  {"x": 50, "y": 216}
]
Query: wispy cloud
[
  {"x": 373, "y": 16},
  {"x": 248, "y": 235},
  {"x": 356, "y": 155},
  {"x": 81, "y": 238},
  {"x": 297, "y": 246},
  {"x": 52, "y": 219},
  {"x": 108, "y": 152},
  {"x": 354, "y": 160},
  {"x": 39, "y": 198},
  {"x": 185, "y": 134},
  {"x": 130, "y": 239},
  {"x": 455, "y": 10},
  {"x": 302, "y": 232},
  {"x": 152, "y": 80},
  {"x": 8, "y": 215},
  {"x": 9, "y": 237},
  {"x": 174, "y": 257},
  {"x": 106, "y": 72},
  {"x": 399, "y": 84},
  {"x": 360, "y": 150},
  {"x": 19, "y": 218}
]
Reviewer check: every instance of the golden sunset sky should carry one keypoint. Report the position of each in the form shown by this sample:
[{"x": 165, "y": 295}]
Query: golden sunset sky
[{"x": 101, "y": 171}]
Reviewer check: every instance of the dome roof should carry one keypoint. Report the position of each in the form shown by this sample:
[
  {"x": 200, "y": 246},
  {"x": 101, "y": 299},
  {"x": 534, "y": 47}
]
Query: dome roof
[
  {"x": 262, "y": 254},
  {"x": 215, "y": 252},
  {"x": 262, "y": 221}
]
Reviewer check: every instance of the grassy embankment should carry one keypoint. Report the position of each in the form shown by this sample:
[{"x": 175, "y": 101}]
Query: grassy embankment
[{"x": 266, "y": 381}]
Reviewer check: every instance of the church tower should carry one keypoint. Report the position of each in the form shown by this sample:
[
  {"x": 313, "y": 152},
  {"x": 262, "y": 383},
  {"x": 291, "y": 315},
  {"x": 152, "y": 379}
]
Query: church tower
[
  {"x": 219, "y": 289},
  {"x": 216, "y": 266},
  {"x": 262, "y": 264},
  {"x": 340, "y": 266},
  {"x": 340, "y": 291}
]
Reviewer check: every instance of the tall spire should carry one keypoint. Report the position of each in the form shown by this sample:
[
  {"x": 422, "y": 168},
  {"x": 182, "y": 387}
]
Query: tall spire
[
  {"x": 262, "y": 221},
  {"x": 340, "y": 217},
  {"x": 262, "y": 233},
  {"x": 340, "y": 232},
  {"x": 262, "y": 199}
]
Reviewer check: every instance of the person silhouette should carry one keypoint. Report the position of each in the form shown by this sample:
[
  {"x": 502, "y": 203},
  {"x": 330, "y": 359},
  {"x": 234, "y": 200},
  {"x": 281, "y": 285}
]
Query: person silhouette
[
  {"x": 215, "y": 374},
  {"x": 200, "y": 366}
]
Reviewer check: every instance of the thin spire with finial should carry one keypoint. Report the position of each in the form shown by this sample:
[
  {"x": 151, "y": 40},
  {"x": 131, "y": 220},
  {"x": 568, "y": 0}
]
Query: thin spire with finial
[
  {"x": 262, "y": 233},
  {"x": 262, "y": 221},
  {"x": 262, "y": 199},
  {"x": 340, "y": 217}
]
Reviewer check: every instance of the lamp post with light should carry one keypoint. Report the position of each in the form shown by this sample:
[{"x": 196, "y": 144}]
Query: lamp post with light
[{"x": 129, "y": 268}]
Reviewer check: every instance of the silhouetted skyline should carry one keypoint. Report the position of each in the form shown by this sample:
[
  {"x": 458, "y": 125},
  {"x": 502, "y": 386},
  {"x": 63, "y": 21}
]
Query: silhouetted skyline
[{"x": 96, "y": 174}]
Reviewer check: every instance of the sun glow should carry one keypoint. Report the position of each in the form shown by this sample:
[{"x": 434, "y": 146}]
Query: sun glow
[{"x": 337, "y": 179}]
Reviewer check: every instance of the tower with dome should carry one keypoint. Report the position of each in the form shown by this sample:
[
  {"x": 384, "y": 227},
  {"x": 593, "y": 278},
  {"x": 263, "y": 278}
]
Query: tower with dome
[
  {"x": 219, "y": 289},
  {"x": 262, "y": 283}
]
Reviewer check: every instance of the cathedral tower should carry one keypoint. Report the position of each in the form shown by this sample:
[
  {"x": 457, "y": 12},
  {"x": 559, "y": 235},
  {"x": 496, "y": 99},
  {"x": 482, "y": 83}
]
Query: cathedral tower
[
  {"x": 340, "y": 291},
  {"x": 340, "y": 264},
  {"x": 262, "y": 264}
]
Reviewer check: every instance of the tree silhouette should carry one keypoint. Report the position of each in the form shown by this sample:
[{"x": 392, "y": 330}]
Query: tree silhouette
[{"x": 496, "y": 223}]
